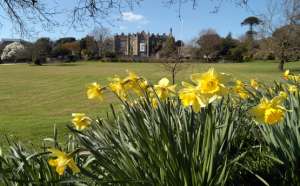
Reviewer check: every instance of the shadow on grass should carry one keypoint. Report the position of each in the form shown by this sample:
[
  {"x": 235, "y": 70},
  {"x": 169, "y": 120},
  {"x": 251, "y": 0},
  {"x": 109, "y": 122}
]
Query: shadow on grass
[
  {"x": 65, "y": 64},
  {"x": 57, "y": 65}
]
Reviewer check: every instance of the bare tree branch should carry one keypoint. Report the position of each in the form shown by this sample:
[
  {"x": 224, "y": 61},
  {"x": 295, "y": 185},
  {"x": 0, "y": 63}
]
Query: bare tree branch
[{"x": 25, "y": 13}]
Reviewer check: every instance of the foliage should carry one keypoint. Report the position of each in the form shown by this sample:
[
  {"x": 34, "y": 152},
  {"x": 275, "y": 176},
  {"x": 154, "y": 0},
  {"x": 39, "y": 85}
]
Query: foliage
[
  {"x": 210, "y": 44},
  {"x": 40, "y": 50},
  {"x": 251, "y": 21},
  {"x": 167, "y": 146},
  {"x": 63, "y": 40},
  {"x": 13, "y": 52},
  {"x": 284, "y": 139},
  {"x": 169, "y": 50},
  {"x": 23, "y": 166},
  {"x": 60, "y": 51},
  {"x": 227, "y": 44},
  {"x": 286, "y": 43},
  {"x": 238, "y": 53},
  {"x": 89, "y": 48}
]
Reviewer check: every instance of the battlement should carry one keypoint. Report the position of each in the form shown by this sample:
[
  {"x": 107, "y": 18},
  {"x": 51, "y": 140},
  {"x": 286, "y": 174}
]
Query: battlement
[{"x": 140, "y": 44}]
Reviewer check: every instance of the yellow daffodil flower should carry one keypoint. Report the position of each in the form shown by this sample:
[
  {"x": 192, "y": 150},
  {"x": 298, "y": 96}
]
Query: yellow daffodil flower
[
  {"x": 117, "y": 86},
  {"x": 286, "y": 74},
  {"x": 81, "y": 121},
  {"x": 94, "y": 91},
  {"x": 269, "y": 111},
  {"x": 131, "y": 81},
  {"x": 135, "y": 83},
  {"x": 211, "y": 84},
  {"x": 284, "y": 95},
  {"x": 190, "y": 96},
  {"x": 163, "y": 89},
  {"x": 292, "y": 88},
  {"x": 154, "y": 103},
  {"x": 239, "y": 89},
  {"x": 254, "y": 84},
  {"x": 62, "y": 161}
]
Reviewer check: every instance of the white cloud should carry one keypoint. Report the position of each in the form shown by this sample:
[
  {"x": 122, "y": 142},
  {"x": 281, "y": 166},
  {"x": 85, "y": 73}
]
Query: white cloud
[
  {"x": 121, "y": 27},
  {"x": 132, "y": 17}
]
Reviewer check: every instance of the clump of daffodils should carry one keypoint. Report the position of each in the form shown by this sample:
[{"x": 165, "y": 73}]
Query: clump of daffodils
[
  {"x": 287, "y": 75},
  {"x": 202, "y": 90}
]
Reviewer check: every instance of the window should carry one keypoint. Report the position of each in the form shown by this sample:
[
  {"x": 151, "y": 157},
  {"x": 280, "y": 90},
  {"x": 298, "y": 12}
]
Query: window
[
  {"x": 142, "y": 47},
  {"x": 123, "y": 44}
]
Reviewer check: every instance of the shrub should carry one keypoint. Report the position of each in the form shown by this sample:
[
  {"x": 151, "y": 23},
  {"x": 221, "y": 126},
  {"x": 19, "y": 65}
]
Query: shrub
[
  {"x": 13, "y": 52},
  {"x": 238, "y": 53}
]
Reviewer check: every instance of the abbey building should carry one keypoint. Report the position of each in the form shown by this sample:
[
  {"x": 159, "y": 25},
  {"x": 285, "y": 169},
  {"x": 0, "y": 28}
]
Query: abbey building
[{"x": 139, "y": 44}]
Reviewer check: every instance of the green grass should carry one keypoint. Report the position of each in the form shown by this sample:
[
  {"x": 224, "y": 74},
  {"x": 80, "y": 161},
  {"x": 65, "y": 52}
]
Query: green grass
[{"x": 34, "y": 98}]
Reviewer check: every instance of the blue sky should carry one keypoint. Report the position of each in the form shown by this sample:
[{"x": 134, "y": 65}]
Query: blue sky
[{"x": 154, "y": 16}]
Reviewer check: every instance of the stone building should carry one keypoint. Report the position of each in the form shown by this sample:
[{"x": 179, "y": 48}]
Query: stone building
[{"x": 139, "y": 44}]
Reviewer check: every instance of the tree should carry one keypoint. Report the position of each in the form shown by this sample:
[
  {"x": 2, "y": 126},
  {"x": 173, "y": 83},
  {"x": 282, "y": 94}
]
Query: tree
[
  {"x": 103, "y": 37},
  {"x": 60, "y": 52},
  {"x": 210, "y": 44},
  {"x": 41, "y": 49},
  {"x": 88, "y": 47},
  {"x": 63, "y": 40},
  {"x": 13, "y": 52},
  {"x": 287, "y": 43},
  {"x": 281, "y": 20},
  {"x": 74, "y": 47},
  {"x": 171, "y": 51},
  {"x": 169, "y": 48},
  {"x": 251, "y": 21},
  {"x": 227, "y": 44}
]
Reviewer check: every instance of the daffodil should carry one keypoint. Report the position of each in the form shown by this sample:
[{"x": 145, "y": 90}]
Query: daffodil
[
  {"x": 292, "y": 88},
  {"x": 284, "y": 95},
  {"x": 94, "y": 91},
  {"x": 163, "y": 89},
  {"x": 81, "y": 121},
  {"x": 240, "y": 90},
  {"x": 131, "y": 81},
  {"x": 269, "y": 111},
  {"x": 211, "y": 84},
  {"x": 154, "y": 102},
  {"x": 286, "y": 74},
  {"x": 62, "y": 161},
  {"x": 135, "y": 83},
  {"x": 254, "y": 84},
  {"x": 117, "y": 86}
]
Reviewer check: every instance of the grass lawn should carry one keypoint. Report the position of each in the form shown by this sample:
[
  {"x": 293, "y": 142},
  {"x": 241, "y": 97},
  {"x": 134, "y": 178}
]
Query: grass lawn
[{"x": 34, "y": 98}]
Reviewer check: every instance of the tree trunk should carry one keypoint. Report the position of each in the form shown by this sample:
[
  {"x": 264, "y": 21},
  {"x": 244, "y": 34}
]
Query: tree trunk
[
  {"x": 173, "y": 77},
  {"x": 281, "y": 65},
  {"x": 282, "y": 60}
]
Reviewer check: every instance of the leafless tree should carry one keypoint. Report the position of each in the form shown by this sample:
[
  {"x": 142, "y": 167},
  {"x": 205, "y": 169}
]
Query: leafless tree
[
  {"x": 103, "y": 36},
  {"x": 173, "y": 57},
  {"x": 281, "y": 20},
  {"x": 209, "y": 42}
]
